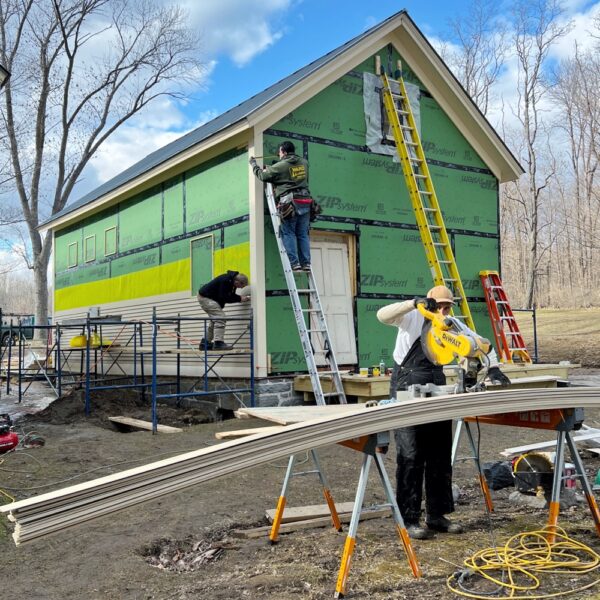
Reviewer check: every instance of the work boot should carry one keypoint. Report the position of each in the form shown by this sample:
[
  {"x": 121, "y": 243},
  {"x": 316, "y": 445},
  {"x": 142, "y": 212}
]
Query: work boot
[
  {"x": 221, "y": 346},
  {"x": 297, "y": 268},
  {"x": 306, "y": 267},
  {"x": 443, "y": 525},
  {"x": 205, "y": 345},
  {"x": 416, "y": 532}
]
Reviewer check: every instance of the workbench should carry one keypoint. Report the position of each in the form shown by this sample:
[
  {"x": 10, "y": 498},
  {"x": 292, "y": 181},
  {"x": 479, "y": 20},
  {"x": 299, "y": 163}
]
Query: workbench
[{"x": 364, "y": 388}]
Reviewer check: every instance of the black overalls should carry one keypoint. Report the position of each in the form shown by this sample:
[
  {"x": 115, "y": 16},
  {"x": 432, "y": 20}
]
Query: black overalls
[{"x": 422, "y": 450}]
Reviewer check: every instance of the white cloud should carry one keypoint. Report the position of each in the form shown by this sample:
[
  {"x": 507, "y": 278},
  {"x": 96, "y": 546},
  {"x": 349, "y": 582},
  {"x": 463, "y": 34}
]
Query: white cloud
[
  {"x": 236, "y": 28},
  {"x": 583, "y": 26},
  {"x": 138, "y": 138}
]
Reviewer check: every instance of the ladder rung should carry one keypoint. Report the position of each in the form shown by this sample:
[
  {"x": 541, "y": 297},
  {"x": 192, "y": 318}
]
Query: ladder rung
[
  {"x": 501, "y": 302},
  {"x": 519, "y": 348},
  {"x": 314, "y": 330},
  {"x": 310, "y": 310},
  {"x": 507, "y": 319},
  {"x": 420, "y": 176},
  {"x": 305, "y": 291},
  {"x": 449, "y": 279},
  {"x": 442, "y": 244},
  {"x": 329, "y": 394},
  {"x": 424, "y": 192},
  {"x": 430, "y": 209}
]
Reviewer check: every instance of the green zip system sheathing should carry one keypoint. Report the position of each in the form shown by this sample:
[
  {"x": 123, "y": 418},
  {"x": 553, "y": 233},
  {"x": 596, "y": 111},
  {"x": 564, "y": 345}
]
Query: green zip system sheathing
[
  {"x": 364, "y": 194},
  {"x": 171, "y": 238}
]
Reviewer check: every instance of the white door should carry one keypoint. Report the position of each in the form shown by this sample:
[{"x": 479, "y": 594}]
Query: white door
[{"x": 331, "y": 267}]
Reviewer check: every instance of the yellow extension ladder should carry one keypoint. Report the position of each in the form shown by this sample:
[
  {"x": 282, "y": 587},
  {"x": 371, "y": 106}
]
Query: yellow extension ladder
[{"x": 422, "y": 194}]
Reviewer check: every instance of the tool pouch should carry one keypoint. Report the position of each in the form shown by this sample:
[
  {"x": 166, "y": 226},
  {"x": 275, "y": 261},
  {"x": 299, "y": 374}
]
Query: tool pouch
[{"x": 286, "y": 208}]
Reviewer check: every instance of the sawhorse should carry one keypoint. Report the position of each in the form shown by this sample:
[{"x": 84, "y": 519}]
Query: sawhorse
[
  {"x": 373, "y": 448},
  {"x": 563, "y": 421}
]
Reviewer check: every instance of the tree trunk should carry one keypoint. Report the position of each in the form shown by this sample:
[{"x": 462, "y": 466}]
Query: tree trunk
[{"x": 40, "y": 277}]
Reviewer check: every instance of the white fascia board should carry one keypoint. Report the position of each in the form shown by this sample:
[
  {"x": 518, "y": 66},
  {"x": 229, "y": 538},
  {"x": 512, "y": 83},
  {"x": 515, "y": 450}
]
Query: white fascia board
[
  {"x": 152, "y": 176},
  {"x": 257, "y": 260}
]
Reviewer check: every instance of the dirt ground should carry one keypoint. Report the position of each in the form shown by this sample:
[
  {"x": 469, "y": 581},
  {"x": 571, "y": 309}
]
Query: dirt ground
[{"x": 181, "y": 547}]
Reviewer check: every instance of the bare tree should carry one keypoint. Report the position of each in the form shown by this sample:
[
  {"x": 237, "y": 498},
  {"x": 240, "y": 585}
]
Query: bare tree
[
  {"x": 80, "y": 69},
  {"x": 537, "y": 27},
  {"x": 478, "y": 50}
]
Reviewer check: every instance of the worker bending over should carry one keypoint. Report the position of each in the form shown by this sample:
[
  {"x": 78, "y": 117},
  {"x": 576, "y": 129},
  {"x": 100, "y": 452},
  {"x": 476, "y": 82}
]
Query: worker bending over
[{"x": 424, "y": 451}]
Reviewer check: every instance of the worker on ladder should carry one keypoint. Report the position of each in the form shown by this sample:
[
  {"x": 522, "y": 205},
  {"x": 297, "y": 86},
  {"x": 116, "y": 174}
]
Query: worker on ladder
[
  {"x": 289, "y": 177},
  {"x": 423, "y": 451}
]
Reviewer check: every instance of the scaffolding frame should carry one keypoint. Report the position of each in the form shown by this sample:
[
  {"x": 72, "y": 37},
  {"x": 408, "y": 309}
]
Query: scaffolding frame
[{"x": 97, "y": 361}]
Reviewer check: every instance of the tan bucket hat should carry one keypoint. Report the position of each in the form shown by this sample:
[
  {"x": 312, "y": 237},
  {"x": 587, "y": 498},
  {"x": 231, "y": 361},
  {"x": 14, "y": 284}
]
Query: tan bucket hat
[{"x": 440, "y": 293}]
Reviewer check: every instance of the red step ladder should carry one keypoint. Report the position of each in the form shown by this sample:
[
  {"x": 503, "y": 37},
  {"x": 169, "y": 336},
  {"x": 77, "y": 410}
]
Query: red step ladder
[{"x": 509, "y": 340}]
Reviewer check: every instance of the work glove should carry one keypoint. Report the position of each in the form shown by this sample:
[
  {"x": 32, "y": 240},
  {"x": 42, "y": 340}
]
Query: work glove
[
  {"x": 497, "y": 376},
  {"x": 253, "y": 162},
  {"x": 428, "y": 303}
]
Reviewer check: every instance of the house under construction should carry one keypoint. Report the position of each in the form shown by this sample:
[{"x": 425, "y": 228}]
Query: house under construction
[{"x": 147, "y": 239}]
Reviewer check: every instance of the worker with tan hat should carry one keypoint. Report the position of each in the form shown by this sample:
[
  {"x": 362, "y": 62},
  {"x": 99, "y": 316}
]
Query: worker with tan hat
[{"x": 423, "y": 451}]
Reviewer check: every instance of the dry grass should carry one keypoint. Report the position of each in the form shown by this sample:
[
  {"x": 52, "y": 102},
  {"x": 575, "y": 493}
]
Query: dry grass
[{"x": 564, "y": 334}]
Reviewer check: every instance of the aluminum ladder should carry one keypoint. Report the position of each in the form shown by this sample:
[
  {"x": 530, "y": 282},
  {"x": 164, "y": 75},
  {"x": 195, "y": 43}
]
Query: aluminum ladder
[
  {"x": 316, "y": 318},
  {"x": 422, "y": 193},
  {"x": 509, "y": 340}
]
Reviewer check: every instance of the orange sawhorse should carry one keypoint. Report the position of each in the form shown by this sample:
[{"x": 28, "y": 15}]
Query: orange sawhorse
[
  {"x": 563, "y": 421},
  {"x": 373, "y": 448}
]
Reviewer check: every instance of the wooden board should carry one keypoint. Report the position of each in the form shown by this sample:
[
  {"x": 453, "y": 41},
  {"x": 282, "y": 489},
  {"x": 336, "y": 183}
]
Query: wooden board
[
  {"x": 190, "y": 351},
  {"x": 286, "y": 415},
  {"x": 259, "y": 532},
  {"x": 147, "y": 425},
  {"x": 312, "y": 511},
  {"x": 224, "y": 435}
]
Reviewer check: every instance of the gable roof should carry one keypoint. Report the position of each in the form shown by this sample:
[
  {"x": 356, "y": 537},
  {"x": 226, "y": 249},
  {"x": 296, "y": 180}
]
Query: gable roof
[{"x": 235, "y": 116}]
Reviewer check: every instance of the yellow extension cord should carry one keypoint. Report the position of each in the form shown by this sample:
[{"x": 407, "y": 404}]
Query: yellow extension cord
[{"x": 524, "y": 557}]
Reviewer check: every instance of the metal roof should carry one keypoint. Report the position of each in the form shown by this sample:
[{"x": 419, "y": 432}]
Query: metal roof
[{"x": 231, "y": 117}]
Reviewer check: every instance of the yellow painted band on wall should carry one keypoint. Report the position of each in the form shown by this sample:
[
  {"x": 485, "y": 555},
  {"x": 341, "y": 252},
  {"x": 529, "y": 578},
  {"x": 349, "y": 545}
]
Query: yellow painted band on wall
[
  {"x": 233, "y": 258},
  {"x": 164, "y": 279}
]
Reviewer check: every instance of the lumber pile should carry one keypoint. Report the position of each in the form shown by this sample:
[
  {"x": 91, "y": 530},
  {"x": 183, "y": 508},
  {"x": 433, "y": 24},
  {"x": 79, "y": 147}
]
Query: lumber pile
[{"x": 52, "y": 512}]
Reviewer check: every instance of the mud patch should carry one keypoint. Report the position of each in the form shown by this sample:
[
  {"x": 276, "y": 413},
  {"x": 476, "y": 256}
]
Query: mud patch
[{"x": 70, "y": 409}]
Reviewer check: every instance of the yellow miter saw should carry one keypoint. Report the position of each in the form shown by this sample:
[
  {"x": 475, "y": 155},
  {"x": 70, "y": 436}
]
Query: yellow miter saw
[{"x": 444, "y": 339}]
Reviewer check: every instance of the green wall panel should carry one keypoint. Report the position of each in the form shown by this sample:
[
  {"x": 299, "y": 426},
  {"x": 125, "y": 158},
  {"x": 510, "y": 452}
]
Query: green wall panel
[
  {"x": 217, "y": 191},
  {"x": 335, "y": 114},
  {"x": 283, "y": 341},
  {"x": 442, "y": 140},
  {"x": 173, "y": 208},
  {"x": 62, "y": 240},
  {"x": 97, "y": 225},
  {"x": 202, "y": 261},
  {"x": 392, "y": 261},
  {"x": 81, "y": 275},
  {"x": 140, "y": 220},
  {"x": 274, "y": 279},
  {"x": 134, "y": 262},
  {"x": 468, "y": 200},
  {"x": 237, "y": 234},
  {"x": 375, "y": 341},
  {"x": 474, "y": 254},
  {"x": 175, "y": 251},
  {"x": 389, "y": 62},
  {"x": 359, "y": 185}
]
